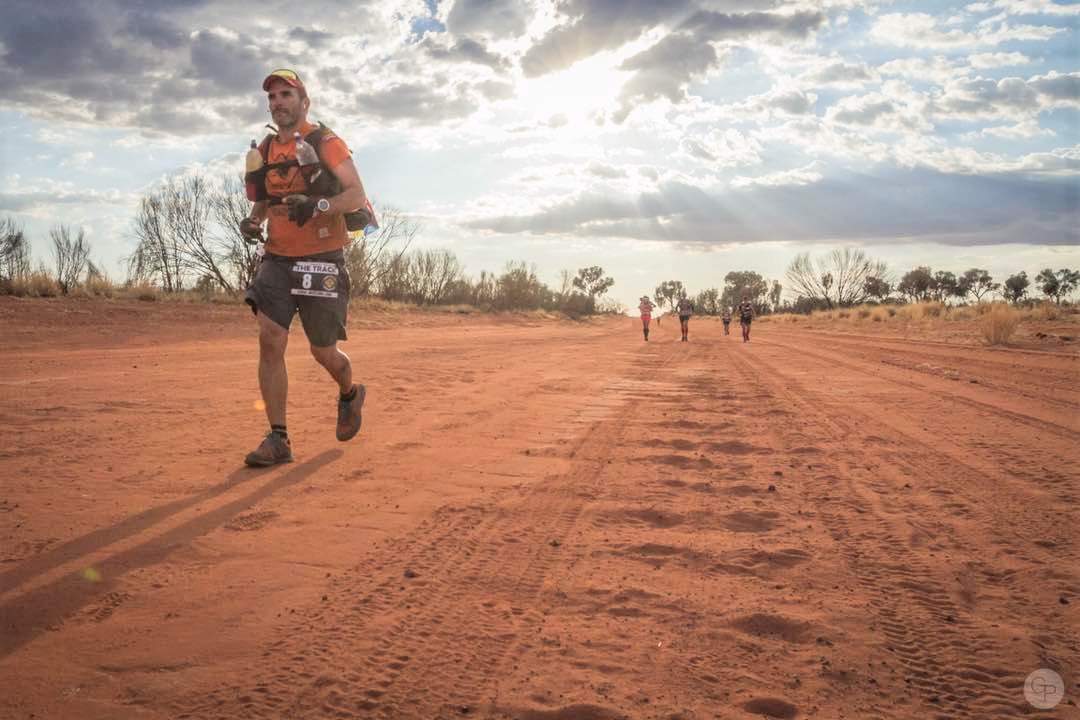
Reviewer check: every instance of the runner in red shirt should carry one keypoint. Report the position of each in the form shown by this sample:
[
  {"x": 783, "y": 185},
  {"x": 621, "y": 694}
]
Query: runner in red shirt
[{"x": 646, "y": 307}]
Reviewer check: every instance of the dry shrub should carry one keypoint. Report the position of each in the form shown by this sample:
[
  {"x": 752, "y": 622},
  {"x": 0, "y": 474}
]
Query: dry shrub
[
  {"x": 36, "y": 284},
  {"x": 1045, "y": 311},
  {"x": 862, "y": 312},
  {"x": 143, "y": 291},
  {"x": 998, "y": 323},
  {"x": 920, "y": 311},
  {"x": 880, "y": 314},
  {"x": 907, "y": 313},
  {"x": 933, "y": 309},
  {"x": 97, "y": 287}
]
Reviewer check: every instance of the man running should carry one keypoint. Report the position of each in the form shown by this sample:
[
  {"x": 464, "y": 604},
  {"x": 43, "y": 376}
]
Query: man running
[
  {"x": 685, "y": 309},
  {"x": 746, "y": 316},
  {"x": 725, "y": 315},
  {"x": 646, "y": 307},
  {"x": 303, "y": 267}
]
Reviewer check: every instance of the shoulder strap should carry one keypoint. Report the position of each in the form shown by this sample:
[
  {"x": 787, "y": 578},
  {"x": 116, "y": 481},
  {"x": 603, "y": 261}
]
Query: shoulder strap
[
  {"x": 314, "y": 138},
  {"x": 264, "y": 148}
]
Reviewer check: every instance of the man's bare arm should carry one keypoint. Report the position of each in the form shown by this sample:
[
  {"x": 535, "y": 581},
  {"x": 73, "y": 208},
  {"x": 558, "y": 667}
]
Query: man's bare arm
[{"x": 352, "y": 195}]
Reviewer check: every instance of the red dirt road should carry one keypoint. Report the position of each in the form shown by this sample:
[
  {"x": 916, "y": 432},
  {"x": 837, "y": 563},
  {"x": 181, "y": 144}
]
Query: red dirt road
[{"x": 540, "y": 520}]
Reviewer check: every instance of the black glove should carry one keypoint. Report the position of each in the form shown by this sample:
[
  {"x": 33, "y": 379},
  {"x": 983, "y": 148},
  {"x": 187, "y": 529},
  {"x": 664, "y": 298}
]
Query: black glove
[
  {"x": 301, "y": 208},
  {"x": 251, "y": 229}
]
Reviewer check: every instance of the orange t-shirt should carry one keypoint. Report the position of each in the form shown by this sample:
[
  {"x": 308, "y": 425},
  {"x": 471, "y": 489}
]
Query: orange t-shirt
[{"x": 323, "y": 232}]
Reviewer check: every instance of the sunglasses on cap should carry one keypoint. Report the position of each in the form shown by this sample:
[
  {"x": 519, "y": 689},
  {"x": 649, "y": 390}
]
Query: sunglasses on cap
[{"x": 289, "y": 76}]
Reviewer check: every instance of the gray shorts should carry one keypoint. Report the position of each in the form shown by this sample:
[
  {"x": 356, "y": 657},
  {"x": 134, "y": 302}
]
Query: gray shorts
[{"x": 316, "y": 285}]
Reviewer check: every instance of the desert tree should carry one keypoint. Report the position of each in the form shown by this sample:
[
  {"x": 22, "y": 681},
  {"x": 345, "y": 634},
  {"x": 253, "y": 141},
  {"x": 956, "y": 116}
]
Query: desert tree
[
  {"x": 744, "y": 282},
  {"x": 977, "y": 282},
  {"x": 807, "y": 281},
  {"x": 707, "y": 302},
  {"x": 157, "y": 256},
  {"x": 1016, "y": 287},
  {"x": 394, "y": 279},
  {"x": 188, "y": 207},
  {"x": 774, "y": 295},
  {"x": 1067, "y": 282},
  {"x": 485, "y": 289},
  {"x": 519, "y": 288},
  {"x": 668, "y": 292},
  {"x": 916, "y": 284},
  {"x": 838, "y": 278},
  {"x": 433, "y": 273},
  {"x": 566, "y": 283},
  {"x": 71, "y": 252},
  {"x": 593, "y": 282},
  {"x": 877, "y": 288},
  {"x": 174, "y": 242},
  {"x": 14, "y": 251},
  {"x": 944, "y": 285},
  {"x": 1057, "y": 285},
  {"x": 228, "y": 206}
]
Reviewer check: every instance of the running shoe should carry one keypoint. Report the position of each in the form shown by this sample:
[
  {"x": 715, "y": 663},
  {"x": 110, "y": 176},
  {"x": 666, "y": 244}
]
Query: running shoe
[
  {"x": 272, "y": 450},
  {"x": 349, "y": 417}
]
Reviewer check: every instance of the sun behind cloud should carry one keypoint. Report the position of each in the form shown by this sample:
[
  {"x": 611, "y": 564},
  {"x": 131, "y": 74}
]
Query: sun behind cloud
[{"x": 580, "y": 94}]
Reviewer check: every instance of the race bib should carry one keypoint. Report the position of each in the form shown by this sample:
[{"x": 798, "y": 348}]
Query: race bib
[{"x": 315, "y": 279}]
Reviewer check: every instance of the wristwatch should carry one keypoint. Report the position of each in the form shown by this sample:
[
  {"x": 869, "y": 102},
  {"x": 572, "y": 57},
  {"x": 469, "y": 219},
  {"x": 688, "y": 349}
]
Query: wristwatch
[{"x": 323, "y": 205}]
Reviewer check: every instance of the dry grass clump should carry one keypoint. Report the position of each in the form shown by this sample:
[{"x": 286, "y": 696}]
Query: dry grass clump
[
  {"x": 921, "y": 311},
  {"x": 998, "y": 323},
  {"x": 143, "y": 291},
  {"x": 1045, "y": 311},
  {"x": 96, "y": 287},
  {"x": 36, "y": 284},
  {"x": 995, "y": 316}
]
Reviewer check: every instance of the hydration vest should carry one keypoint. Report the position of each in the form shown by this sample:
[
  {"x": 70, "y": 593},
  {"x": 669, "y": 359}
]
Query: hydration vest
[{"x": 325, "y": 185}]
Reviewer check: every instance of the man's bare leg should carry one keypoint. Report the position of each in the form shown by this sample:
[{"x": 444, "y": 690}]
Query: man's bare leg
[
  {"x": 351, "y": 399},
  {"x": 273, "y": 377},
  {"x": 336, "y": 363},
  {"x": 274, "y": 386}
]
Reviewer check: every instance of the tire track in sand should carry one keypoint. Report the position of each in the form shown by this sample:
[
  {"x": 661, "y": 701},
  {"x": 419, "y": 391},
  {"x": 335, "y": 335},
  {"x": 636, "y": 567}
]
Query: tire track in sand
[
  {"x": 951, "y": 661},
  {"x": 434, "y": 638}
]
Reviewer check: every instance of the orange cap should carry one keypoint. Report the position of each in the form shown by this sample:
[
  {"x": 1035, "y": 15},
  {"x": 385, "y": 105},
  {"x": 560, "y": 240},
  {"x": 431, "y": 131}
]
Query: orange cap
[{"x": 287, "y": 76}]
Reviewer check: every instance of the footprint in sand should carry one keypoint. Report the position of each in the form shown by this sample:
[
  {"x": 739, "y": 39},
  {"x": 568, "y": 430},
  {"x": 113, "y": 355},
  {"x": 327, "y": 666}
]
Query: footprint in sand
[
  {"x": 682, "y": 462},
  {"x": 771, "y": 708},
  {"x": 570, "y": 712},
  {"x": 735, "y": 447},
  {"x": 767, "y": 625},
  {"x": 653, "y": 518},
  {"x": 740, "y": 521},
  {"x": 251, "y": 521},
  {"x": 658, "y": 555}
]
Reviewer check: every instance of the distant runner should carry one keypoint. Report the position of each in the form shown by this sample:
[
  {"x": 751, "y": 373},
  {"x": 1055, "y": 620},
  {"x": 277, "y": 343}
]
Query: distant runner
[
  {"x": 746, "y": 316},
  {"x": 725, "y": 315},
  {"x": 646, "y": 307},
  {"x": 685, "y": 309}
]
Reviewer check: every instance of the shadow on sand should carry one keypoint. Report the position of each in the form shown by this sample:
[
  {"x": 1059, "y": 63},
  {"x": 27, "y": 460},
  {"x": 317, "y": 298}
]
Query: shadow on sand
[{"x": 27, "y": 616}]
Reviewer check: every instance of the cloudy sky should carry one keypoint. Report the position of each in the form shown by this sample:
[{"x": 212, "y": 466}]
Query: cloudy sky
[{"x": 661, "y": 139}]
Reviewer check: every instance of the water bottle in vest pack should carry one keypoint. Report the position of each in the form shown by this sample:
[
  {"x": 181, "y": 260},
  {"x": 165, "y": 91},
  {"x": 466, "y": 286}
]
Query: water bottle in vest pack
[
  {"x": 252, "y": 178},
  {"x": 308, "y": 159}
]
